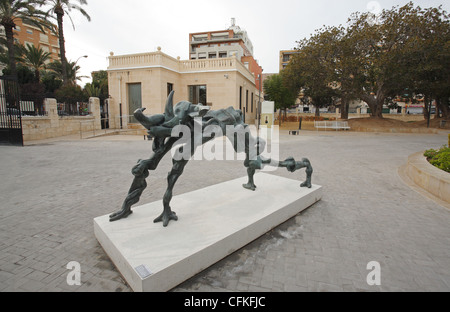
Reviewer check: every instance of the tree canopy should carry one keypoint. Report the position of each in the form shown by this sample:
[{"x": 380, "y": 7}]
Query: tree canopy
[
  {"x": 275, "y": 90},
  {"x": 376, "y": 59}
]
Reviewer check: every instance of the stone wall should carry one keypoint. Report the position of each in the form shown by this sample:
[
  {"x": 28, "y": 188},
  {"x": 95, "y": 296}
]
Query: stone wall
[{"x": 53, "y": 125}]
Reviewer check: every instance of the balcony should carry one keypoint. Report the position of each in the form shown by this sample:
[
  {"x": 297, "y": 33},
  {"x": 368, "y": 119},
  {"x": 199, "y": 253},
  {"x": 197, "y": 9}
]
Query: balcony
[{"x": 162, "y": 60}]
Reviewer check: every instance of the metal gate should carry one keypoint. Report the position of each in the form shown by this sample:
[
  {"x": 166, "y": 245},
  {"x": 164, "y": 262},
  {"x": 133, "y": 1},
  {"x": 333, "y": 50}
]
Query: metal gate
[{"x": 10, "y": 113}]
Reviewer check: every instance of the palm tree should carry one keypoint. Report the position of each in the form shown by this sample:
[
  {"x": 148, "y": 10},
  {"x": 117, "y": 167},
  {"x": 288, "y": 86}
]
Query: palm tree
[
  {"x": 61, "y": 8},
  {"x": 56, "y": 70},
  {"x": 10, "y": 11},
  {"x": 35, "y": 58},
  {"x": 92, "y": 90}
]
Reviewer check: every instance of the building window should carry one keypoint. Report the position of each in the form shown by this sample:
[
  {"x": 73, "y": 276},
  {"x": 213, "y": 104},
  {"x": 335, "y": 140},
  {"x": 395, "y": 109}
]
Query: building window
[
  {"x": 223, "y": 54},
  {"x": 212, "y": 55},
  {"x": 134, "y": 99},
  {"x": 246, "y": 102},
  {"x": 43, "y": 38},
  {"x": 240, "y": 98},
  {"x": 252, "y": 102},
  {"x": 29, "y": 31},
  {"x": 286, "y": 58},
  {"x": 197, "y": 94},
  {"x": 169, "y": 88}
]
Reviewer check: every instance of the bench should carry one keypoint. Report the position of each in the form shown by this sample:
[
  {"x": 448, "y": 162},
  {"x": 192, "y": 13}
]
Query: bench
[{"x": 331, "y": 125}]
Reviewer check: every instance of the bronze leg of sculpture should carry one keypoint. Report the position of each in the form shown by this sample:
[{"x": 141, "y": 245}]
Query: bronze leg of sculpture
[
  {"x": 290, "y": 164},
  {"x": 175, "y": 173},
  {"x": 137, "y": 187},
  {"x": 251, "y": 183},
  {"x": 141, "y": 172},
  {"x": 309, "y": 171}
]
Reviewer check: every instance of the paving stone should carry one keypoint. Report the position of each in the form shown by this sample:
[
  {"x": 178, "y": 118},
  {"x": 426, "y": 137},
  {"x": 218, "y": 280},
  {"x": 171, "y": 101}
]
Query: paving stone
[{"x": 367, "y": 214}]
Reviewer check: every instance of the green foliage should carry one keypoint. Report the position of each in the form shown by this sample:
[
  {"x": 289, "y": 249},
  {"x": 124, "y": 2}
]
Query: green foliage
[
  {"x": 35, "y": 58},
  {"x": 61, "y": 8},
  {"x": 51, "y": 82},
  {"x": 404, "y": 48},
  {"x": 10, "y": 11},
  {"x": 439, "y": 158},
  {"x": 70, "y": 94},
  {"x": 276, "y": 91}
]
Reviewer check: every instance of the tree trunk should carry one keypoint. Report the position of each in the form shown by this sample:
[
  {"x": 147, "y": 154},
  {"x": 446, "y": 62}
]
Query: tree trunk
[
  {"x": 317, "y": 111},
  {"x": 279, "y": 117},
  {"x": 444, "y": 107},
  {"x": 10, "y": 44},
  {"x": 37, "y": 75},
  {"x": 344, "y": 108},
  {"x": 62, "y": 45},
  {"x": 426, "y": 105},
  {"x": 375, "y": 105}
]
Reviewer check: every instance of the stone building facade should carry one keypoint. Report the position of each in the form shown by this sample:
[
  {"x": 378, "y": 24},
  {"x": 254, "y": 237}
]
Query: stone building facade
[{"x": 146, "y": 79}]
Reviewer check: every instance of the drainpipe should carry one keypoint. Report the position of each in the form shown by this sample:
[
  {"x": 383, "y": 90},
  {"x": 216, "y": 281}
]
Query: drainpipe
[{"x": 120, "y": 102}]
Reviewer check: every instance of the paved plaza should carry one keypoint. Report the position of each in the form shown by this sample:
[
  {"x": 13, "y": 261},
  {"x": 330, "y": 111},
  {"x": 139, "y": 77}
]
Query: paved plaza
[{"x": 51, "y": 192}]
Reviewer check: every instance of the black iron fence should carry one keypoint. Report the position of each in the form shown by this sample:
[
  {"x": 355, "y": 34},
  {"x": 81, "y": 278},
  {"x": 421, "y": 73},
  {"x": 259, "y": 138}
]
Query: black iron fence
[
  {"x": 74, "y": 109},
  {"x": 10, "y": 113},
  {"x": 33, "y": 105}
]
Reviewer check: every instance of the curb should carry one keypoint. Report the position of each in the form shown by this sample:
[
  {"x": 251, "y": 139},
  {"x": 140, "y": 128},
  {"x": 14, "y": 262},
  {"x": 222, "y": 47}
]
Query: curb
[{"x": 428, "y": 177}]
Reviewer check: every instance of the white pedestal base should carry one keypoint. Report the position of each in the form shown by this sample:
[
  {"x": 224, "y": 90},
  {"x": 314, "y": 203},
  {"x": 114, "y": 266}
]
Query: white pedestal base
[{"x": 213, "y": 223}]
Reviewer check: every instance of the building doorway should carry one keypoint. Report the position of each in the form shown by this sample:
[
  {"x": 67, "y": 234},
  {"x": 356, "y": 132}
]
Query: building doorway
[{"x": 134, "y": 100}]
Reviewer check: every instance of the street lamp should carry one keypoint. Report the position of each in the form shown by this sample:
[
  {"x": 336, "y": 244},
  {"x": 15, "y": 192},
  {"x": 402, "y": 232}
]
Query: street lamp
[{"x": 84, "y": 56}]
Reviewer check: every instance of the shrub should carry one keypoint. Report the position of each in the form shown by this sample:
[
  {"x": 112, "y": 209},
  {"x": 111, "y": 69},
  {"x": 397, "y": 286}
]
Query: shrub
[{"x": 439, "y": 158}]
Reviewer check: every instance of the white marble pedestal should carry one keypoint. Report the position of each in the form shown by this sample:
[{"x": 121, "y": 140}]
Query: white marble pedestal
[{"x": 213, "y": 223}]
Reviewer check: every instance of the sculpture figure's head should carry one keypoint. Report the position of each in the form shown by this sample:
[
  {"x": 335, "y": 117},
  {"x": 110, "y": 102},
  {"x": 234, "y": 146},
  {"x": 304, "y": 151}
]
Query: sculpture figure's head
[{"x": 183, "y": 111}]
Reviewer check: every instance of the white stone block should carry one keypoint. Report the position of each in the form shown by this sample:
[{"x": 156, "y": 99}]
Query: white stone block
[{"x": 213, "y": 223}]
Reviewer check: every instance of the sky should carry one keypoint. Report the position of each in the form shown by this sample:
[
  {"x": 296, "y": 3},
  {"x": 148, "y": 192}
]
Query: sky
[{"x": 136, "y": 26}]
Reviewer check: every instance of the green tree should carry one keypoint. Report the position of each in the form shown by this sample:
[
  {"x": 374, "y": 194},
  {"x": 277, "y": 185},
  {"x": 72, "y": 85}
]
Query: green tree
[
  {"x": 10, "y": 11},
  {"x": 35, "y": 58},
  {"x": 404, "y": 50},
  {"x": 60, "y": 8},
  {"x": 277, "y": 91},
  {"x": 426, "y": 57},
  {"x": 56, "y": 70},
  {"x": 100, "y": 81},
  {"x": 92, "y": 90},
  {"x": 70, "y": 94},
  {"x": 311, "y": 71}
]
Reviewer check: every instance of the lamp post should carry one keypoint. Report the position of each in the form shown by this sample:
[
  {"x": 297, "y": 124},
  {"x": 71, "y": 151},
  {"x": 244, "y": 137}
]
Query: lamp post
[{"x": 84, "y": 56}]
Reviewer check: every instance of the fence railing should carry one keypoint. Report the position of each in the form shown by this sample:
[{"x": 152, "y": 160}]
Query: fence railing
[
  {"x": 73, "y": 109},
  {"x": 88, "y": 128}
]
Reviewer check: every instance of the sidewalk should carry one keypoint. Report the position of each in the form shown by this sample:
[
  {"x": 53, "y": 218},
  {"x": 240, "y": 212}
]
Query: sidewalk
[{"x": 52, "y": 190}]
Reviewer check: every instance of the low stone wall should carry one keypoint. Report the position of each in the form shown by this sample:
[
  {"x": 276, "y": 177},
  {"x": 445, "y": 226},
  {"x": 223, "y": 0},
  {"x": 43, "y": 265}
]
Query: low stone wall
[
  {"x": 428, "y": 177},
  {"x": 53, "y": 125},
  {"x": 405, "y": 117}
]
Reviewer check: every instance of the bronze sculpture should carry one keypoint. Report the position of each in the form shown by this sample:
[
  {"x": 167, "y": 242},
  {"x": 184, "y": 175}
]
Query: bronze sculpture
[{"x": 161, "y": 127}]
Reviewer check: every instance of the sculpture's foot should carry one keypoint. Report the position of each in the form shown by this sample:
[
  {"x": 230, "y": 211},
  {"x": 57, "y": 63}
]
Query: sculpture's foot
[
  {"x": 250, "y": 186},
  {"x": 306, "y": 184},
  {"x": 122, "y": 214},
  {"x": 165, "y": 217}
]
